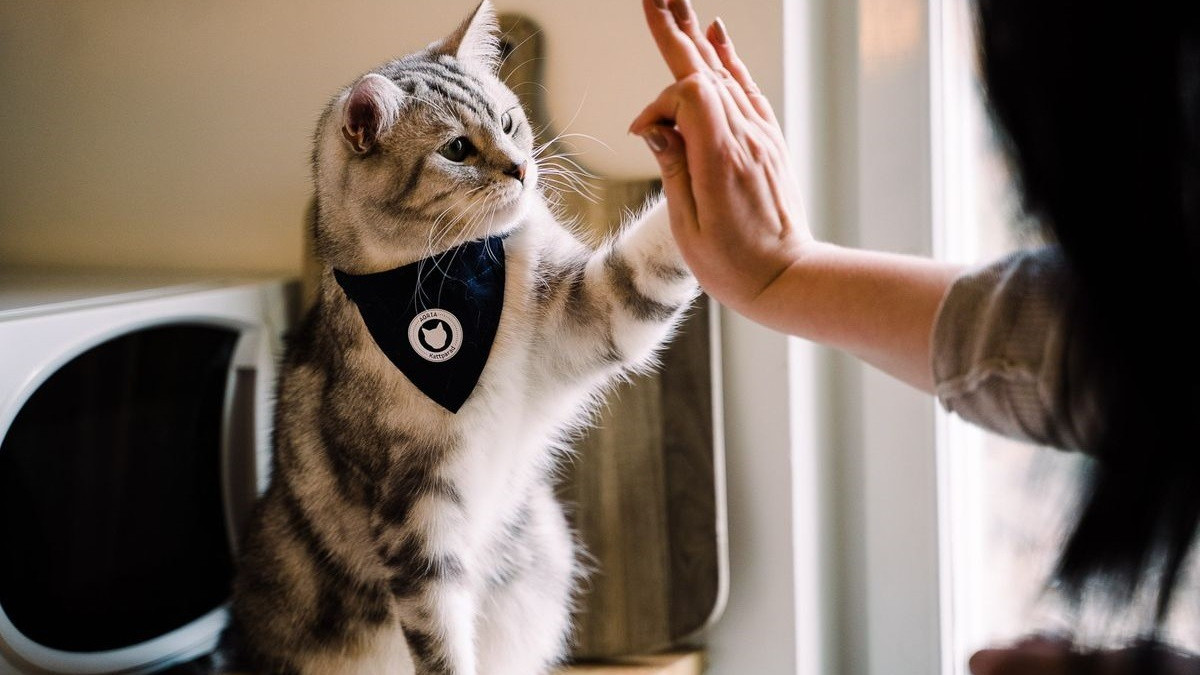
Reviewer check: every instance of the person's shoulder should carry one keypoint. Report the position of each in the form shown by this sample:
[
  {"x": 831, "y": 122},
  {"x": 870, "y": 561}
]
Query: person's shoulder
[{"x": 1033, "y": 266}]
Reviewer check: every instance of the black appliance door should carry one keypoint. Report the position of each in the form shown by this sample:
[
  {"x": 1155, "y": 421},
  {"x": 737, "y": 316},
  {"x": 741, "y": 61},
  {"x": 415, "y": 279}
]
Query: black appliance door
[{"x": 112, "y": 525}]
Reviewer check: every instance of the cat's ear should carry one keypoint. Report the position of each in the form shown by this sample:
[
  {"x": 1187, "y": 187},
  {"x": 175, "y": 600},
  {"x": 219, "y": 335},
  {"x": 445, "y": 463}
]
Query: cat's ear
[
  {"x": 476, "y": 41},
  {"x": 371, "y": 108}
]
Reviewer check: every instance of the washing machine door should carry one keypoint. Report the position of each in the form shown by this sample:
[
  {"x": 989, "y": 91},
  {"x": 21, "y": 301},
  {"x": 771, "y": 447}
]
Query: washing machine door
[{"x": 113, "y": 530}]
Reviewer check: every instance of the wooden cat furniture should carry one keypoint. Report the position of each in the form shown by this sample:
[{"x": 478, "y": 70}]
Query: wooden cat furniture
[{"x": 645, "y": 489}]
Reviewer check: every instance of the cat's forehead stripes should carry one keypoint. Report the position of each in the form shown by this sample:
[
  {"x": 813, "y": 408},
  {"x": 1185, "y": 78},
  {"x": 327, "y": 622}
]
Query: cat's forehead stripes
[{"x": 449, "y": 81}]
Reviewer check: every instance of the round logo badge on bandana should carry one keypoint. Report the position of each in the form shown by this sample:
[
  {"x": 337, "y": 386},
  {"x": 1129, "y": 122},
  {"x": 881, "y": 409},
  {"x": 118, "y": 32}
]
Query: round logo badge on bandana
[
  {"x": 442, "y": 351},
  {"x": 435, "y": 335}
]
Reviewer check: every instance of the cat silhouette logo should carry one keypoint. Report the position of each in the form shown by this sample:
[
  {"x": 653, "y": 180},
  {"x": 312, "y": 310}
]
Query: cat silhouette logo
[{"x": 435, "y": 335}]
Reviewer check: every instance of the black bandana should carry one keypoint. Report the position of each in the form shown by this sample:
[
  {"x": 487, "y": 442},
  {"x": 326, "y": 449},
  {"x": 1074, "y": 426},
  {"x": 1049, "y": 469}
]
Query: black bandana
[{"x": 435, "y": 319}]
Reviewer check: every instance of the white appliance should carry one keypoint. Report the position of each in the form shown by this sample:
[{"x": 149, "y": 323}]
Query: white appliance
[{"x": 135, "y": 416}]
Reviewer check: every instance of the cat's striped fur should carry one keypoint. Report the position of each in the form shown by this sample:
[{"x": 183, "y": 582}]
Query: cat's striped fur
[{"x": 395, "y": 535}]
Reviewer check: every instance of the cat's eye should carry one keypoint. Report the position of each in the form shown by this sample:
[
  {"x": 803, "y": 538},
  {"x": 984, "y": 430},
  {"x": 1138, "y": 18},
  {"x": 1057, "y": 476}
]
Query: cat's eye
[
  {"x": 458, "y": 149},
  {"x": 506, "y": 123}
]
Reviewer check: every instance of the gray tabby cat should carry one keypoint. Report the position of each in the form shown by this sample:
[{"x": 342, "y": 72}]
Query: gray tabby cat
[{"x": 396, "y": 535}]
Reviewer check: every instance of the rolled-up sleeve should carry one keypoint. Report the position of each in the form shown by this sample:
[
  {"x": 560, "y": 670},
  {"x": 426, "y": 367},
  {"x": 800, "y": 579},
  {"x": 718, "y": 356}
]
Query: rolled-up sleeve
[{"x": 1000, "y": 347}]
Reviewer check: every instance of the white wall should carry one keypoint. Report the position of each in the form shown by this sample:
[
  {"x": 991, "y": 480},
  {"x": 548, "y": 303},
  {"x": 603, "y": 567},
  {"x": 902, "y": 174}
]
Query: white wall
[{"x": 175, "y": 133}]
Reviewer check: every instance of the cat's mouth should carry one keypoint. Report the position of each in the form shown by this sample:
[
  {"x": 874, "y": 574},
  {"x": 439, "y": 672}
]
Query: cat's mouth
[
  {"x": 511, "y": 191},
  {"x": 506, "y": 205},
  {"x": 511, "y": 205}
]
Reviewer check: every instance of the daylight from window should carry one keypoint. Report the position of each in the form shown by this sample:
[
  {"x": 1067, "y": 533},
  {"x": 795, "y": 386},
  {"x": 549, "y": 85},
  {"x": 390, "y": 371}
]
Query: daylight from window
[{"x": 1005, "y": 506}]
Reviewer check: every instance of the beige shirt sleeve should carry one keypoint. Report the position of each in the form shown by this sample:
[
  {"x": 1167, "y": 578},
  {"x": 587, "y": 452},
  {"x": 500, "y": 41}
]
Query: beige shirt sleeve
[{"x": 1000, "y": 344}]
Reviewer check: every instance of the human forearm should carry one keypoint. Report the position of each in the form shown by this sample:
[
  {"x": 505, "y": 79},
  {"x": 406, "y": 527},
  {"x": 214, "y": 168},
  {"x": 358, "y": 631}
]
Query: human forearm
[{"x": 877, "y": 306}]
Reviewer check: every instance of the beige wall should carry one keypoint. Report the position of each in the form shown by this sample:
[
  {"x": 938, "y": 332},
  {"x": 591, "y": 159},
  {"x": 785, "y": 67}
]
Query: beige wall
[{"x": 175, "y": 133}]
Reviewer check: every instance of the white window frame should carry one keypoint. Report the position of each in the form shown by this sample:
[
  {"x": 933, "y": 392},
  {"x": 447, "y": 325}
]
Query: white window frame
[
  {"x": 875, "y": 466},
  {"x": 888, "y": 487},
  {"x": 838, "y": 561}
]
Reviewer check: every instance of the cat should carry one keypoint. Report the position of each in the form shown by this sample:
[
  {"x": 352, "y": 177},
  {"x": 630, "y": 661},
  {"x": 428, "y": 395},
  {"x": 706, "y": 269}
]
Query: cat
[{"x": 410, "y": 523}]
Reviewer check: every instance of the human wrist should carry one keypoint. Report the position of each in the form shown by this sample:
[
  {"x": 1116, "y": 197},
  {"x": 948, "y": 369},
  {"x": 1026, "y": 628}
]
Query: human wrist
[{"x": 777, "y": 300}]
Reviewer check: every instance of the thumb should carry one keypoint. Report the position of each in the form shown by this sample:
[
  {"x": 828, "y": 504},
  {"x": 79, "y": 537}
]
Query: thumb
[{"x": 668, "y": 148}]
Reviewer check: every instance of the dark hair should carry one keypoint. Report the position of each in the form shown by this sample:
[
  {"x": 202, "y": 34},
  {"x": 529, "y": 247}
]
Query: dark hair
[{"x": 1098, "y": 105}]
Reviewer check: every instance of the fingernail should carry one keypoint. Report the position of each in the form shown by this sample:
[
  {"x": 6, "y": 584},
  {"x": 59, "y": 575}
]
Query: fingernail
[
  {"x": 655, "y": 139},
  {"x": 721, "y": 34},
  {"x": 661, "y": 4},
  {"x": 680, "y": 9}
]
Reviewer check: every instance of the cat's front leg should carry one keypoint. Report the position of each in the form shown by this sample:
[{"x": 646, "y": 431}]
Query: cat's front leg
[
  {"x": 439, "y": 627},
  {"x": 525, "y": 613},
  {"x": 614, "y": 307},
  {"x": 647, "y": 280},
  {"x": 429, "y": 580}
]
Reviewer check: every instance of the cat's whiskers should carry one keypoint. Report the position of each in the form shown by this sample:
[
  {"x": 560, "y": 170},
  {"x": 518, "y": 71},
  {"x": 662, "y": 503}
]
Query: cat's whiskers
[
  {"x": 540, "y": 130},
  {"x": 545, "y": 91},
  {"x": 559, "y": 139},
  {"x": 490, "y": 233},
  {"x": 437, "y": 233},
  {"x": 468, "y": 226},
  {"x": 555, "y": 158},
  {"x": 565, "y": 154},
  {"x": 493, "y": 207},
  {"x": 563, "y": 134},
  {"x": 440, "y": 229},
  {"x": 465, "y": 224},
  {"x": 475, "y": 217},
  {"x": 568, "y": 167},
  {"x": 514, "y": 49},
  {"x": 571, "y": 175},
  {"x": 557, "y": 181}
]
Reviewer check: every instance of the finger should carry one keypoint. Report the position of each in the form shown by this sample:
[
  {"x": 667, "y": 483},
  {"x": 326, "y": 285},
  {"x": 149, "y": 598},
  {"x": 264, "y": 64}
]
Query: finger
[
  {"x": 680, "y": 52},
  {"x": 662, "y": 110},
  {"x": 670, "y": 153},
  {"x": 735, "y": 90},
  {"x": 686, "y": 21},
  {"x": 735, "y": 113},
  {"x": 693, "y": 104},
  {"x": 718, "y": 36}
]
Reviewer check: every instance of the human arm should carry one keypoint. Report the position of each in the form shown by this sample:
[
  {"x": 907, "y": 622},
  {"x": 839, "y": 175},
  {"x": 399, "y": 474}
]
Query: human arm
[{"x": 737, "y": 215}]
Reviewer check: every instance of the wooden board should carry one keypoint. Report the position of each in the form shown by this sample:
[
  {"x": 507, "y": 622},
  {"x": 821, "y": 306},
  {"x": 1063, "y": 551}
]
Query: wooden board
[
  {"x": 644, "y": 492},
  {"x": 675, "y": 663}
]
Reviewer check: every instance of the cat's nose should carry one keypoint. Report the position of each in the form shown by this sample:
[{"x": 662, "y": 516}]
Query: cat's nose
[{"x": 517, "y": 170}]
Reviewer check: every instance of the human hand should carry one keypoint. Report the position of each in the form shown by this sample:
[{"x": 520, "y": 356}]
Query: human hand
[
  {"x": 1045, "y": 655},
  {"x": 737, "y": 215},
  {"x": 734, "y": 202}
]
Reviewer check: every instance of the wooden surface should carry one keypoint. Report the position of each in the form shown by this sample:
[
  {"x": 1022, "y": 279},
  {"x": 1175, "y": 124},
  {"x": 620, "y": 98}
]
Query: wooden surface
[{"x": 677, "y": 663}]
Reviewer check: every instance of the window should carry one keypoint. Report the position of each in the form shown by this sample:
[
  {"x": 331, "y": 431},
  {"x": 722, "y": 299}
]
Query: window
[{"x": 1004, "y": 505}]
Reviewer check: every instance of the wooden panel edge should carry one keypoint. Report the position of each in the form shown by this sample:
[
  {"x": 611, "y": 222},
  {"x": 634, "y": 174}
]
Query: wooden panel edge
[{"x": 674, "y": 663}]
